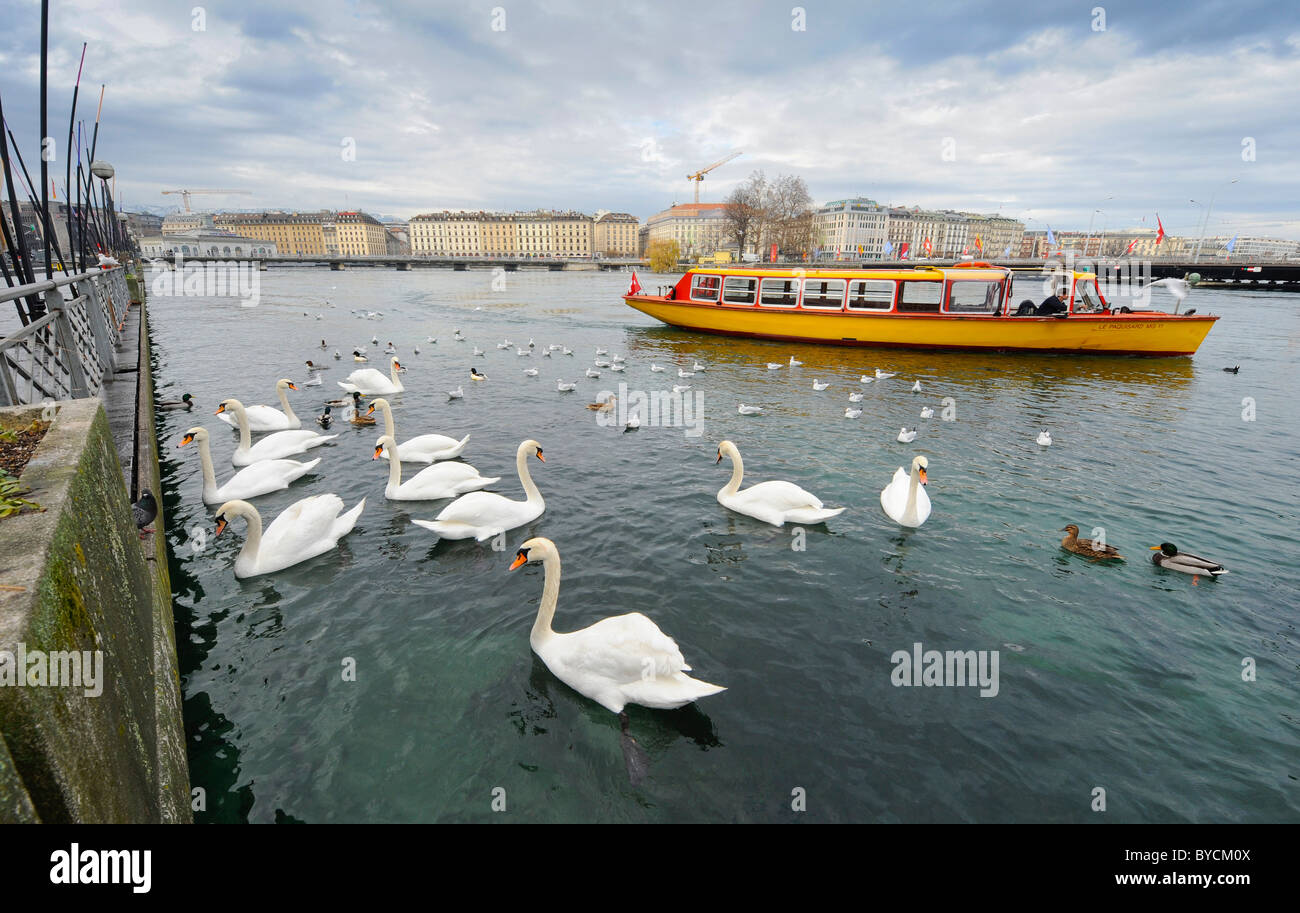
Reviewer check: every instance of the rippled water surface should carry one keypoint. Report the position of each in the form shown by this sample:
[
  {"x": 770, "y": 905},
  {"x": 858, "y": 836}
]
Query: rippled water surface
[{"x": 1123, "y": 677}]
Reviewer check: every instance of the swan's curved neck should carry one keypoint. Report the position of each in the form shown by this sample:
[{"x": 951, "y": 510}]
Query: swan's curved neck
[
  {"x": 284, "y": 404},
  {"x": 209, "y": 474},
  {"x": 245, "y": 438},
  {"x": 737, "y": 472},
  {"x": 390, "y": 429},
  {"x": 909, "y": 510},
  {"x": 253, "y": 539},
  {"x": 392, "y": 372},
  {"x": 394, "y": 464},
  {"x": 542, "y": 630},
  {"x": 526, "y": 480}
]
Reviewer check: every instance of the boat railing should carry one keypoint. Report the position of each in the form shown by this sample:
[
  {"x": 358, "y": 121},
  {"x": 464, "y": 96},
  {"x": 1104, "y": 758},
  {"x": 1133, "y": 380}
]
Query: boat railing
[{"x": 67, "y": 353}]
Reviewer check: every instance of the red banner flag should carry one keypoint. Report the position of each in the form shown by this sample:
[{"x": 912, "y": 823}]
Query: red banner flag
[
  {"x": 635, "y": 287},
  {"x": 773, "y": 253},
  {"x": 927, "y": 246},
  {"x": 902, "y": 253},
  {"x": 1160, "y": 234},
  {"x": 1132, "y": 244}
]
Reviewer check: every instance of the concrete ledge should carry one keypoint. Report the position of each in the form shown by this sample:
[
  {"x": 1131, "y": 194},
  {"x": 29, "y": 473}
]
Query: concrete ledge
[{"x": 78, "y": 578}]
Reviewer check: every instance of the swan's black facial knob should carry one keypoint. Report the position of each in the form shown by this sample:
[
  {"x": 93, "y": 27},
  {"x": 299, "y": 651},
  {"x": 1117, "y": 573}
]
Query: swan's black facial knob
[{"x": 521, "y": 558}]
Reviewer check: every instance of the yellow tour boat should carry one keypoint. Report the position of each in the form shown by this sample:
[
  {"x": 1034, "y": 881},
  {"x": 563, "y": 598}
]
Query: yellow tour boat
[{"x": 963, "y": 307}]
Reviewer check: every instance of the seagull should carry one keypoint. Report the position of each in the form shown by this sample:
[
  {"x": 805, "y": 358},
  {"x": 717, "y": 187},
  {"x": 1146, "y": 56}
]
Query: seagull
[
  {"x": 477, "y": 351},
  {"x": 905, "y": 436},
  {"x": 144, "y": 511},
  {"x": 794, "y": 363},
  {"x": 1177, "y": 287},
  {"x": 618, "y": 367},
  {"x": 602, "y": 351},
  {"x": 916, "y": 387},
  {"x": 1044, "y": 438},
  {"x": 633, "y": 423},
  {"x": 850, "y": 412},
  {"x": 864, "y": 379},
  {"x": 432, "y": 340},
  {"x": 417, "y": 350},
  {"x": 749, "y": 410},
  {"x": 927, "y": 412},
  {"x": 554, "y": 348},
  {"x": 568, "y": 351},
  {"x": 773, "y": 366},
  {"x": 657, "y": 369},
  {"x": 698, "y": 367},
  {"x": 374, "y": 340},
  {"x": 855, "y": 397},
  {"x": 391, "y": 350},
  {"x": 531, "y": 344},
  {"x": 456, "y": 336},
  {"x": 600, "y": 364},
  {"x": 682, "y": 372},
  {"x": 882, "y": 375},
  {"x": 681, "y": 388},
  {"x": 314, "y": 381},
  {"x": 337, "y": 355},
  {"x": 474, "y": 375},
  {"x": 565, "y": 388},
  {"x": 531, "y": 372},
  {"x": 591, "y": 372},
  {"x": 617, "y": 358},
  {"x": 322, "y": 344},
  {"x": 458, "y": 393},
  {"x": 523, "y": 352},
  {"x": 819, "y": 386},
  {"x": 504, "y": 345}
]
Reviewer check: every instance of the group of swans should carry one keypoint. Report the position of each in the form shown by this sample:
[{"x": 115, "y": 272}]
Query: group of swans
[
  {"x": 302, "y": 531},
  {"x": 442, "y": 480},
  {"x": 272, "y": 447}
]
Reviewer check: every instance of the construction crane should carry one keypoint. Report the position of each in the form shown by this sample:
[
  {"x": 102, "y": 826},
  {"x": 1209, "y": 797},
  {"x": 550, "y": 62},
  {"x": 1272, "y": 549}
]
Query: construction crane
[
  {"x": 185, "y": 194},
  {"x": 698, "y": 176}
]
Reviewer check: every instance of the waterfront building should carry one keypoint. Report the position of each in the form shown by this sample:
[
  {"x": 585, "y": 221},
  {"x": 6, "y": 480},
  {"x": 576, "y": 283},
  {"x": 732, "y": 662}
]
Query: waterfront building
[
  {"x": 291, "y": 232},
  {"x": 205, "y": 242},
  {"x": 698, "y": 228},
  {"x": 614, "y": 234},
  {"x": 360, "y": 235},
  {"x": 179, "y": 222},
  {"x": 851, "y": 229}
]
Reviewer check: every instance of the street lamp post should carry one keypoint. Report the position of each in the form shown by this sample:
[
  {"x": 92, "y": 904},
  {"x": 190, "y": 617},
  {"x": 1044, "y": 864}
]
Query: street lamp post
[{"x": 1205, "y": 224}]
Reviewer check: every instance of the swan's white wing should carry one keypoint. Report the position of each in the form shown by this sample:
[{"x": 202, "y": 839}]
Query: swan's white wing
[
  {"x": 779, "y": 495},
  {"x": 620, "y": 650},
  {"x": 301, "y": 528},
  {"x": 893, "y": 498},
  {"x": 478, "y": 508},
  {"x": 261, "y": 478},
  {"x": 422, "y": 448},
  {"x": 286, "y": 442}
]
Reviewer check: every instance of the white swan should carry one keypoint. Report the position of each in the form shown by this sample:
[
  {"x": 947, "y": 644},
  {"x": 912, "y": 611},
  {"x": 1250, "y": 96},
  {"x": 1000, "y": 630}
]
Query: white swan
[
  {"x": 251, "y": 481},
  {"x": 427, "y": 448},
  {"x": 771, "y": 502},
  {"x": 368, "y": 380},
  {"x": 1044, "y": 438},
  {"x": 446, "y": 480},
  {"x": 304, "y": 529},
  {"x": 617, "y": 661},
  {"x": 273, "y": 446},
  {"x": 481, "y": 515},
  {"x": 903, "y": 499},
  {"x": 268, "y": 418}
]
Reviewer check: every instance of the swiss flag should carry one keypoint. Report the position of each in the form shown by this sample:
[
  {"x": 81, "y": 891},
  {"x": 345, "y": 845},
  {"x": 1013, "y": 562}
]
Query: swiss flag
[
  {"x": 1160, "y": 234},
  {"x": 1132, "y": 244},
  {"x": 635, "y": 287}
]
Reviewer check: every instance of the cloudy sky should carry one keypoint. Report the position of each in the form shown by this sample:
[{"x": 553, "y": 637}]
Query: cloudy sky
[{"x": 1043, "y": 110}]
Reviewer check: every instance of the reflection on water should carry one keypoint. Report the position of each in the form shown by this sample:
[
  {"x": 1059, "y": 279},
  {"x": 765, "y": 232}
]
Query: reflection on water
[{"x": 1124, "y": 675}]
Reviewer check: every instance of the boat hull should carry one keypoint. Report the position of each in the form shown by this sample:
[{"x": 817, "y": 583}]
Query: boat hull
[{"x": 1153, "y": 334}]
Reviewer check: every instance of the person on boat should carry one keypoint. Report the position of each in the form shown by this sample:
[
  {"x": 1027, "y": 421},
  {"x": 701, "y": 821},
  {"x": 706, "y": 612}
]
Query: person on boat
[{"x": 1052, "y": 304}]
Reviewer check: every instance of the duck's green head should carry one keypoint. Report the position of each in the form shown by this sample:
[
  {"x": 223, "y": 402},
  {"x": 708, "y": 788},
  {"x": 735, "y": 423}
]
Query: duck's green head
[{"x": 1168, "y": 549}]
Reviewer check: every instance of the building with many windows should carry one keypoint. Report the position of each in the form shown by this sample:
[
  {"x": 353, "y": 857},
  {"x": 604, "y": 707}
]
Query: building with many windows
[
  {"x": 851, "y": 229},
  {"x": 205, "y": 242},
  {"x": 698, "y": 228},
  {"x": 541, "y": 234},
  {"x": 614, "y": 234}
]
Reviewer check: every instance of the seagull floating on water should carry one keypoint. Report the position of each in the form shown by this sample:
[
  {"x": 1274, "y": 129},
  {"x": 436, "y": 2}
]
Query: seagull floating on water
[
  {"x": 681, "y": 388},
  {"x": 562, "y": 387},
  {"x": 794, "y": 363},
  {"x": 656, "y": 369},
  {"x": 850, "y": 412},
  {"x": 882, "y": 375},
  {"x": 773, "y": 366},
  {"x": 1044, "y": 438},
  {"x": 927, "y": 412},
  {"x": 855, "y": 397},
  {"x": 916, "y": 387},
  {"x": 749, "y": 410},
  {"x": 458, "y": 393},
  {"x": 905, "y": 436},
  {"x": 592, "y": 372},
  {"x": 819, "y": 386}
]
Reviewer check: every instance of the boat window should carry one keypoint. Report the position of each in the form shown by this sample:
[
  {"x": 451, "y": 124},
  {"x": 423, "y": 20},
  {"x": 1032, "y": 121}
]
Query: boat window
[
  {"x": 920, "y": 297},
  {"x": 967, "y": 297},
  {"x": 705, "y": 288},
  {"x": 872, "y": 294},
  {"x": 823, "y": 293},
  {"x": 739, "y": 289},
  {"x": 1085, "y": 298},
  {"x": 779, "y": 293}
]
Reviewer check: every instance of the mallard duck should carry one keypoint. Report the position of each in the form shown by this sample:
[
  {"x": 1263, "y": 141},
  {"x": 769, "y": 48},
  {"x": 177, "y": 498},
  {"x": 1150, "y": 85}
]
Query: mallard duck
[
  {"x": 1171, "y": 559},
  {"x": 324, "y": 419},
  {"x": 355, "y": 415},
  {"x": 605, "y": 405},
  {"x": 1084, "y": 547},
  {"x": 186, "y": 402}
]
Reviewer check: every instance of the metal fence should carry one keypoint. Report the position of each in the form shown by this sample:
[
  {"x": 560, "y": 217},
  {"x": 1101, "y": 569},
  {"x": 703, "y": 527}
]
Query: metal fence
[{"x": 69, "y": 352}]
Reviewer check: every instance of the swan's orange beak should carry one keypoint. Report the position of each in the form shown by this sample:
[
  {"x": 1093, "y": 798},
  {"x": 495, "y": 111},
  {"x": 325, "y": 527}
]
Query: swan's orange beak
[
  {"x": 220, "y": 409},
  {"x": 378, "y": 451},
  {"x": 520, "y": 558},
  {"x": 293, "y": 386},
  {"x": 719, "y": 459},
  {"x": 221, "y": 526},
  {"x": 923, "y": 477},
  {"x": 398, "y": 365},
  {"x": 539, "y": 455},
  {"x": 371, "y": 410},
  {"x": 185, "y": 440}
]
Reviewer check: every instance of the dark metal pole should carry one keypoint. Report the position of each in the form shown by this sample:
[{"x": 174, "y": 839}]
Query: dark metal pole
[
  {"x": 67, "y": 183},
  {"x": 45, "y": 135}
]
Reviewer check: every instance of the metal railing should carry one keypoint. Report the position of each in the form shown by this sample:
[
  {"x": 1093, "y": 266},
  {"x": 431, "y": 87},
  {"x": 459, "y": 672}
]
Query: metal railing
[{"x": 69, "y": 352}]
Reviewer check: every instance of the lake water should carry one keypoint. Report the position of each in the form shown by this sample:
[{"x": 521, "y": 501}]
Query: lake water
[{"x": 1125, "y": 678}]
